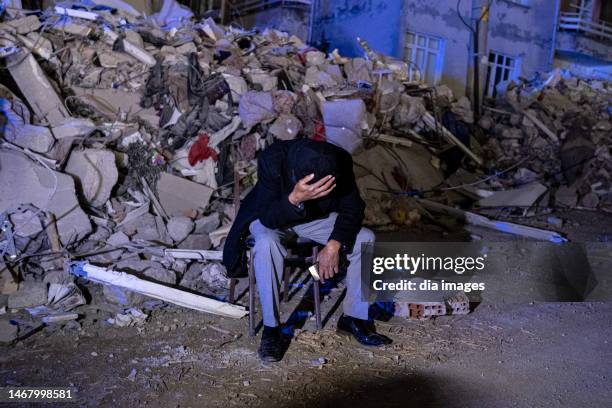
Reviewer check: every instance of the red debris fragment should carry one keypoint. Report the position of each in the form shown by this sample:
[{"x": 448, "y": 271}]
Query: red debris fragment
[{"x": 200, "y": 151}]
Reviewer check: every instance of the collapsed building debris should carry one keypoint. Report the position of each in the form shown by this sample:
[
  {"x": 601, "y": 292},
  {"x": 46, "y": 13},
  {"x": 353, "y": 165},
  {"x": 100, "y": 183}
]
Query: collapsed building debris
[{"x": 133, "y": 137}]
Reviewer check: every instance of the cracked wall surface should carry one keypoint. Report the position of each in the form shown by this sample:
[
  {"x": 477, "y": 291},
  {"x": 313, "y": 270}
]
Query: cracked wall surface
[
  {"x": 524, "y": 32},
  {"x": 440, "y": 19}
]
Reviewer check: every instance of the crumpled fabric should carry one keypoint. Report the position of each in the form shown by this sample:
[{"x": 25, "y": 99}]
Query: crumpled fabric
[{"x": 200, "y": 151}]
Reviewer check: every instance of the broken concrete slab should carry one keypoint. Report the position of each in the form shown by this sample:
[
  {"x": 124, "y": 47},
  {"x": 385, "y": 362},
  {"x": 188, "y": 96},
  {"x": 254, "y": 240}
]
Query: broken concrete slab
[
  {"x": 30, "y": 294},
  {"x": 117, "y": 240},
  {"x": 38, "y": 45},
  {"x": 73, "y": 127},
  {"x": 26, "y": 223},
  {"x": 180, "y": 196},
  {"x": 25, "y": 25},
  {"x": 159, "y": 273},
  {"x": 132, "y": 49},
  {"x": 37, "y": 90},
  {"x": 36, "y": 138},
  {"x": 196, "y": 241},
  {"x": 524, "y": 196},
  {"x": 8, "y": 331},
  {"x": 420, "y": 173},
  {"x": 95, "y": 172},
  {"x": 146, "y": 228},
  {"x": 566, "y": 196},
  {"x": 120, "y": 296},
  {"x": 207, "y": 224},
  {"x": 112, "y": 59},
  {"x": 179, "y": 228},
  {"x": 115, "y": 104},
  {"x": 25, "y": 182},
  {"x": 315, "y": 78}
]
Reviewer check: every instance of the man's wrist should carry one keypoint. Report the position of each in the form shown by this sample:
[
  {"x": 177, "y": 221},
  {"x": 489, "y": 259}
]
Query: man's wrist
[
  {"x": 335, "y": 245},
  {"x": 293, "y": 200}
]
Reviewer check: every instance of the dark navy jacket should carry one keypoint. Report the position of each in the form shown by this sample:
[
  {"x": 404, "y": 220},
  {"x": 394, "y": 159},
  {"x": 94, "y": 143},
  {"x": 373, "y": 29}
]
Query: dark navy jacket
[{"x": 268, "y": 202}]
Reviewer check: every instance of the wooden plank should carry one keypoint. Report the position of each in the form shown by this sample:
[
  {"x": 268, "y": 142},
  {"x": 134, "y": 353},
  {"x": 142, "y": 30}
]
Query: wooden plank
[
  {"x": 433, "y": 124},
  {"x": 541, "y": 125}
]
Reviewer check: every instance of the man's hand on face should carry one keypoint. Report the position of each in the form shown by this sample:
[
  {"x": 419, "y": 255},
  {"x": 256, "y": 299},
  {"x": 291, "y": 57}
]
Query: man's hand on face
[
  {"x": 306, "y": 192},
  {"x": 328, "y": 259}
]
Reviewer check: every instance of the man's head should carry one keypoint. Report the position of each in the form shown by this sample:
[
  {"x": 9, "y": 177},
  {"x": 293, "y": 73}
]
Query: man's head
[{"x": 309, "y": 157}]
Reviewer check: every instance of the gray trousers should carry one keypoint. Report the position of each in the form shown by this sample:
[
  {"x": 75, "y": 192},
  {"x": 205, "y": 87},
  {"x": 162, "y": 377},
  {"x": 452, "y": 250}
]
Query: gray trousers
[{"x": 269, "y": 254}]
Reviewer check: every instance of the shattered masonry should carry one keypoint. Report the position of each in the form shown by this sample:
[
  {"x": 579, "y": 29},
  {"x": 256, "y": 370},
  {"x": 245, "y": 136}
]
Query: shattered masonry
[{"x": 122, "y": 136}]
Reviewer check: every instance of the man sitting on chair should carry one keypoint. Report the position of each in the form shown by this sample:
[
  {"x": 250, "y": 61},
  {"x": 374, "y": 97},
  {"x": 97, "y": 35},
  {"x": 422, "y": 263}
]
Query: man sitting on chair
[{"x": 309, "y": 188}]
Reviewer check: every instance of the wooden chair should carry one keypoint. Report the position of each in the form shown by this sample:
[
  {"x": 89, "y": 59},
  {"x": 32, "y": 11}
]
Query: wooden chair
[{"x": 293, "y": 260}]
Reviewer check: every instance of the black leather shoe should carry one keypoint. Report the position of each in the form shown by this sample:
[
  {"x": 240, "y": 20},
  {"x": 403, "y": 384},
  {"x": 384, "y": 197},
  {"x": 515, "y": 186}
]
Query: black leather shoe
[
  {"x": 272, "y": 346},
  {"x": 362, "y": 330}
]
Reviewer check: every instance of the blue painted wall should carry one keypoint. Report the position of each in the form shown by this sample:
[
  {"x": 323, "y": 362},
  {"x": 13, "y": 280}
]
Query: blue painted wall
[{"x": 340, "y": 22}]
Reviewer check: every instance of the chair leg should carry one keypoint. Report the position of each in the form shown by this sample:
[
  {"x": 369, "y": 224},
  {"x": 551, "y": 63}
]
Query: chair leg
[
  {"x": 317, "y": 302},
  {"x": 316, "y": 293},
  {"x": 252, "y": 290},
  {"x": 286, "y": 275},
  {"x": 232, "y": 290}
]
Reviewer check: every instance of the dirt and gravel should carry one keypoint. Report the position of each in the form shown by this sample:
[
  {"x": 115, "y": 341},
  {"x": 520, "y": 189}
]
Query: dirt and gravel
[{"x": 500, "y": 355}]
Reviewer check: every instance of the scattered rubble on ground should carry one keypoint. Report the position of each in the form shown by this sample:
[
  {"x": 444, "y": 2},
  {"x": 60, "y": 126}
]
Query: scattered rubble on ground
[{"x": 123, "y": 137}]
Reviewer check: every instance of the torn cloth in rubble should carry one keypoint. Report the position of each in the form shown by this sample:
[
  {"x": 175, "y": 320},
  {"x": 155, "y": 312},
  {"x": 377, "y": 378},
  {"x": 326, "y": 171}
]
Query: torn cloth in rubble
[
  {"x": 200, "y": 151},
  {"x": 155, "y": 88}
]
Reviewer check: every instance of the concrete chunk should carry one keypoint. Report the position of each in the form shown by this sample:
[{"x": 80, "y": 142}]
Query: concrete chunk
[
  {"x": 179, "y": 228},
  {"x": 37, "y": 90},
  {"x": 29, "y": 294},
  {"x": 25, "y": 25},
  {"x": 36, "y": 138},
  {"x": 73, "y": 127},
  {"x": 25, "y": 182},
  {"x": 8, "y": 331},
  {"x": 207, "y": 224},
  {"x": 196, "y": 241},
  {"x": 95, "y": 172},
  {"x": 179, "y": 196}
]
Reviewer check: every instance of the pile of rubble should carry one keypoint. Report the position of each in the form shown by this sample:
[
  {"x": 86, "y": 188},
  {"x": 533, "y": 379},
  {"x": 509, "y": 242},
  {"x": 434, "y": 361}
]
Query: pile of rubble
[
  {"x": 128, "y": 141},
  {"x": 557, "y": 132}
]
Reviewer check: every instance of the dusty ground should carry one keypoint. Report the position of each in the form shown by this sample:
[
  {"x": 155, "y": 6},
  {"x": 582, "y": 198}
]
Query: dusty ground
[{"x": 521, "y": 355}]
